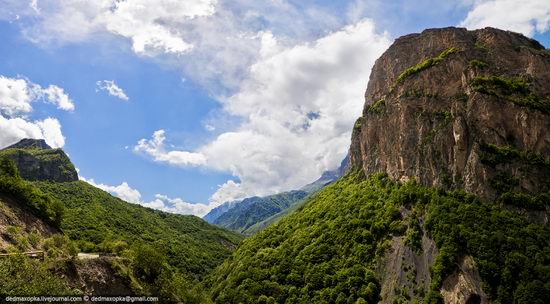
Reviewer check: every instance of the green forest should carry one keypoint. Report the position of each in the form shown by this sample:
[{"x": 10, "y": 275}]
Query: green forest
[
  {"x": 158, "y": 253},
  {"x": 327, "y": 251},
  {"x": 99, "y": 222}
]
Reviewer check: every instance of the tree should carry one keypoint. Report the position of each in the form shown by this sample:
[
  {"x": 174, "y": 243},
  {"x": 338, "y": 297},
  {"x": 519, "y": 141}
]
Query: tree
[
  {"x": 148, "y": 263},
  {"x": 8, "y": 168}
]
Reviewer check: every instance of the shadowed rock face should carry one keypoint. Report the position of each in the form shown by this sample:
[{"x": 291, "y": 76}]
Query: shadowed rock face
[
  {"x": 38, "y": 161},
  {"x": 459, "y": 109}
]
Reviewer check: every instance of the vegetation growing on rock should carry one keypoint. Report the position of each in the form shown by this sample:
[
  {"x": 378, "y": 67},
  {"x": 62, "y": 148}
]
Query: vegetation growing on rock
[
  {"x": 39, "y": 163},
  {"x": 428, "y": 63},
  {"x": 256, "y": 209},
  {"x": 494, "y": 155},
  {"x": 377, "y": 107},
  {"x": 515, "y": 90},
  {"x": 477, "y": 63}
]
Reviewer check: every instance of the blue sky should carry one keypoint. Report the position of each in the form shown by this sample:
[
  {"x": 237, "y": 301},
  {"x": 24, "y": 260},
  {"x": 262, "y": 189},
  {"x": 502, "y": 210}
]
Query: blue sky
[{"x": 226, "y": 99}]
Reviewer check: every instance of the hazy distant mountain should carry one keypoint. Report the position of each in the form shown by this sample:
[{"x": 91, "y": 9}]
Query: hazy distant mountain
[{"x": 240, "y": 215}]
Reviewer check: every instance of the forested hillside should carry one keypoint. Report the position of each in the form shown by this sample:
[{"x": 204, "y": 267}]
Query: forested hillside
[
  {"x": 329, "y": 250},
  {"x": 100, "y": 222},
  {"x": 151, "y": 252}
]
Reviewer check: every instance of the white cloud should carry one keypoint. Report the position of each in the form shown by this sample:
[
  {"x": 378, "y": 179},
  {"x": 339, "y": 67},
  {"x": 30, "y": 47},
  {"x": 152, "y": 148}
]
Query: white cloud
[
  {"x": 15, "y": 129},
  {"x": 227, "y": 192},
  {"x": 17, "y": 94},
  {"x": 297, "y": 105},
  {"x": 177, "y": 205},
  {"x": 112, "y": 88},
  {"x": 16, "y": 98},
  {"x": 34, "y": 6},
  {"x": 212, "y": 41},
  {"x": 160, "y": 202},
  {"x": 51, "y": 132},
  {"x": 149, "y": 25},
  {"x": 156, "y": 149},
  {"x": 209, "y": 127},
  {"x": 526, "y": 17},
  {"x": 56, "y": 95},
  {"x": 123, "y": 191}
]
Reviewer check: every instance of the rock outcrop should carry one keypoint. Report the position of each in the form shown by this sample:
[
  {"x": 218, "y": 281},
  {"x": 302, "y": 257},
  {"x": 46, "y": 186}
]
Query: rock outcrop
[
  {"x": 16, "y": 217},
  {"x": 98, "y": 277},
  {"x": 464, "y": 285},
  {"x": 404, "y": 272},
  {"x": 38, "y": 161},
  {"x": 463, "y": 109}
]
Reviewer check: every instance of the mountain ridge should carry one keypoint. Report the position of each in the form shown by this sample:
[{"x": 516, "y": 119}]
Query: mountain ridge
[{"x": 250, "y": 215}]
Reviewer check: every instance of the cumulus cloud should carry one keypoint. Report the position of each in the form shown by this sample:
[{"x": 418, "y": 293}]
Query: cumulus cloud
[
  {"x": 123, "y": 191},
  {"x": 183, "y": 34},
  {"x": 149, "y": 26},
  {"x": 15, "y": 129},
  {"x": 156, "y": 149},
  {"x": 526, "y": 17},
  {"x": 298, "y": 106},
  {"x": 17, "y": 94},
  {"x": 56, "y": 95},
  {"x": 112, "y": 88},
  {"x": 177, "y": 205},
  {"x": 228, "y": 192},
  {"x": 16, "y": 98},
  {"x": 160, "y": 202}
]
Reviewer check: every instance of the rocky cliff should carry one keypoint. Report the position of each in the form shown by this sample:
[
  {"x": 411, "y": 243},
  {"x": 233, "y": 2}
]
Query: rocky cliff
[
  {"x": 38, "y": 161},
  {"x": 454, "y": 108}
]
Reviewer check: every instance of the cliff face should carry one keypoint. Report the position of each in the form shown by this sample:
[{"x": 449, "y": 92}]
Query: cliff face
[
  {"x": 459, "y": 109},
  {"x": 38, "y": 161}
]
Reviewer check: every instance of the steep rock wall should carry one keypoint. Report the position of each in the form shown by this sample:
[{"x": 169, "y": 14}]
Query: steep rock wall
[{"x": 459, "y": 109}]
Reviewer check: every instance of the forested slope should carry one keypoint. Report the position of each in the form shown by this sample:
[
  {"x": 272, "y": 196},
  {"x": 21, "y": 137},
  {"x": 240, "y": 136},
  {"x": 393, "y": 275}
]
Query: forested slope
[{"x": 329, "y": 250}]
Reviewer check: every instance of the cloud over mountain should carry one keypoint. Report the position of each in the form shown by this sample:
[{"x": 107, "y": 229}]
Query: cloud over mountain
[
  {"x": 297, "y": 107},
  {"x": 16, "y": 98},
  {"x": 526, "y": 17}
]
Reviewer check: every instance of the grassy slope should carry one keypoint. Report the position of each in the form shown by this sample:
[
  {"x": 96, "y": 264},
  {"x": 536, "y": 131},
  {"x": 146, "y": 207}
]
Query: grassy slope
[
  {"x": 326, "y": 252},
  {"x": 101, "y": 222}
]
